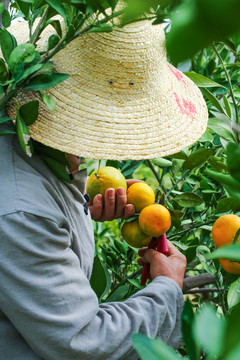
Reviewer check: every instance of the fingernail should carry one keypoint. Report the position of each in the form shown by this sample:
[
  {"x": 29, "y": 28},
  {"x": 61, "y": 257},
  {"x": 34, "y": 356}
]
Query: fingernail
[
  {"x": 99, "y": 197},
  {"x": 121, "y": 191},
  {"x": 111, "y": 192},
  {"x": 130, "y": 208}
]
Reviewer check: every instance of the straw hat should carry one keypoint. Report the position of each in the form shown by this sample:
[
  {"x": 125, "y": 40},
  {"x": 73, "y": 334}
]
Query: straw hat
[{"x": 123, "y": 99}]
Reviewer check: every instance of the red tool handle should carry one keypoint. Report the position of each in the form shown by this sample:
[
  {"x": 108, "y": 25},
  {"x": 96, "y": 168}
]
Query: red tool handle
[{"x": 159, "y": 244}]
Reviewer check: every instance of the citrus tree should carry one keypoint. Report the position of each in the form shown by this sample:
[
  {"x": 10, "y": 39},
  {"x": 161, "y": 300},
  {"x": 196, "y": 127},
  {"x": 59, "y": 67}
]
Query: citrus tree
[{"x": 197, "y": 185}]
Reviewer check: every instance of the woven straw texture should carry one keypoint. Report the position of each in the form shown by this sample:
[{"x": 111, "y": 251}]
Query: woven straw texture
[{"x": 123, "y": 99}]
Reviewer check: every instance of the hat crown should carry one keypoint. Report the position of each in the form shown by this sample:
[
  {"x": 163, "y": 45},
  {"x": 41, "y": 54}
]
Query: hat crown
[{"x": 118, "y": 60}]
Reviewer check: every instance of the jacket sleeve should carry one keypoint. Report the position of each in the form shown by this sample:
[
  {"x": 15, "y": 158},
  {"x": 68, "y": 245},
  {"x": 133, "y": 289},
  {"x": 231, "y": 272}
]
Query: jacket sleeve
[{"x": 47, "y": 297}]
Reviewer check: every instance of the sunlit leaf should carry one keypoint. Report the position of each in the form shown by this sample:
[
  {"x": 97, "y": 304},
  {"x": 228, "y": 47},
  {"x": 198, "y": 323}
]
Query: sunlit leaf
[
  {"x": 45, "y": 81},
  {"x": 152, "y": 349},
  {"x": 233, "y": 296},
  {"x": 202, "y": 81},
  {"x": 209, "y": 330}
]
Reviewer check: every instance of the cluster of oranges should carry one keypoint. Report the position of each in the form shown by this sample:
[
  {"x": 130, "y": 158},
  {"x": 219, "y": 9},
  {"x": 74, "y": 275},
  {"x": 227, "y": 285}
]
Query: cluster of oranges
[{"x": 152, "y": 220}]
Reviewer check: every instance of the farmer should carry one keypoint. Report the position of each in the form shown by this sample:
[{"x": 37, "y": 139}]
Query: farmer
[{"x": 122, "y": 101}]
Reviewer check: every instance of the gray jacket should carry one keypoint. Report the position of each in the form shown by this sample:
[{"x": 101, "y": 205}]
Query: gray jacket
[{"x": 48, "y": 309}]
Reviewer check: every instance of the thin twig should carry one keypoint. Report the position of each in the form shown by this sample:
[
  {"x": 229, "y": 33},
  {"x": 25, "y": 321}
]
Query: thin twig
[{"x": 149, "y": 163}]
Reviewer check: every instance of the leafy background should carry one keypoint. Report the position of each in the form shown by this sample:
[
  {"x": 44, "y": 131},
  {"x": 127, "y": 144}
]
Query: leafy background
[{"x": 198, "y": 184}]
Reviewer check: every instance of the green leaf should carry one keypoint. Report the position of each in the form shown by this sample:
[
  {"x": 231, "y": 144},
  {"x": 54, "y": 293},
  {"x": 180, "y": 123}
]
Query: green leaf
[
  {"x": 24, "y": 8},
  {"x": 45, "y": 81},
  {"x": 152, "y": 349},
  {"x": 202, "y": 81},
  {"x": 57, "y": 168},
  {"x": 234, "y": 353},
  {"x": 23, "y": 134},
  {"x": 101, "y": 28},
  {"x": 225, "y": 180},
  {"x": 119, "y": 293},
  {"x": 218, "y": 163},
  {"x": 6, "y": 18},
  {"x": 188, "y": 320},
  {"x": 48, "y": 100},
  {"x": 214, "y": 101},
  {"x": 201, "y": 252},
  {"x": 47, "y": 151},
  {"x": 209, "y": 331},
  {"x": 231, "y": 252},
  {"x": 6, "y": 132},
  {"x": 4, "y": 119},
  {"x": 188, "y": 199},
  {"x": 197, "y": 158},
  {"x": 129, "y": 167},
  {"x": 58, "y": 6},
  {"x": 29, "y": 71},
  {"x": 52, "y": 42},
  {"x": 22, "y": 55},
  {"x": 227, "y": 204},
  {"x": 100, "y": 280},
  {"x": 227, "y": 106},
  {"x": 1, "y": 7},
  {"x": 182, "y": 155},
  {"x": 7, "y": 42},
  {"x": 233, "y": 296},
  {"x": 232, "y": 334},
  {"x": 56, "y": 25},
  {"x": 233, "y": 160},
  {"x": 222, "y": 128},
  {"x": 29, "y": 112},
  {"x": 161, "y": 162}
]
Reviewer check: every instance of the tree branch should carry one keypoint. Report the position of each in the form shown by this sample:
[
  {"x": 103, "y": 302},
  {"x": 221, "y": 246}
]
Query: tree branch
[{"x": 201, "y": 280}]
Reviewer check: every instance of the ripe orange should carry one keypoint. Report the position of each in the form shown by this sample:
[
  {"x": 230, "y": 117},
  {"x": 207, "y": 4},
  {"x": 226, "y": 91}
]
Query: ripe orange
[
  {"x": 102, "y": 179},
  {"x": 133, "y": 235},
  {"x": 223, "y": 233},
  {"x": 140, "y": 195},
  {"x": 224, "y": 229},
  {"x": 155, "y": 220},
  {"x": 232, "y": 267}
]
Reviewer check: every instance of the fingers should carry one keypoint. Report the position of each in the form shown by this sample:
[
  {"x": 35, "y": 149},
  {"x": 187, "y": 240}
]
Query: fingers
[
  {"x": 109, "y": 204},
  {"x": 97, "y": 207},
  {"x": 114, "y": 206}
]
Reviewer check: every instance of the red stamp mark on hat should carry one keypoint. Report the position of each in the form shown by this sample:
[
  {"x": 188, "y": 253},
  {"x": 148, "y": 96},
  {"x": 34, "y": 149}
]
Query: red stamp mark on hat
[
  {"x": 178, "y": 75},
  {"x": 186, "y": 107}
]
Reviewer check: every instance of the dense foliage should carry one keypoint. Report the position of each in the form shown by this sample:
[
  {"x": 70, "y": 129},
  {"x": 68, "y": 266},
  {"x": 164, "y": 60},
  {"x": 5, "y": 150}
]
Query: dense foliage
[{"x": 197, "y": 185}]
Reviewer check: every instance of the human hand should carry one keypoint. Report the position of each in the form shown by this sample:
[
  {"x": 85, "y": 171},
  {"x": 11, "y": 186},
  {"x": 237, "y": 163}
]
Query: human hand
[
  {"x": 114, "y": 205},
  {"x": 172, "y": 266}
]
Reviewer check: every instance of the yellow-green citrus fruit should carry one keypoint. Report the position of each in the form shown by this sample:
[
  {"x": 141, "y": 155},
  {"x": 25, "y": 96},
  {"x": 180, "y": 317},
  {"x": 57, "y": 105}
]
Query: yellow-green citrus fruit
[
  {"x": 140, "y": 195},
  {"x": 154, "y": 220},
  {"x": 104, "y": 178},
  {"x": 133, "y": 235}
]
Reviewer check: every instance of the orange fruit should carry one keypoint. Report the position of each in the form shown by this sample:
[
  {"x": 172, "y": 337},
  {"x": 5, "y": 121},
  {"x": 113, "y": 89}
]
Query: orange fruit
[
  {"x": 140, "y": 195},
  {"x": 224, "y": 229},
  {"x": 133, "y": 235},
  {"x": 223, "y": 233},
  {"x": 102, "y": 179},
  {"x": 232, "y": 267},
  {"x": 155, "y": 220}
]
